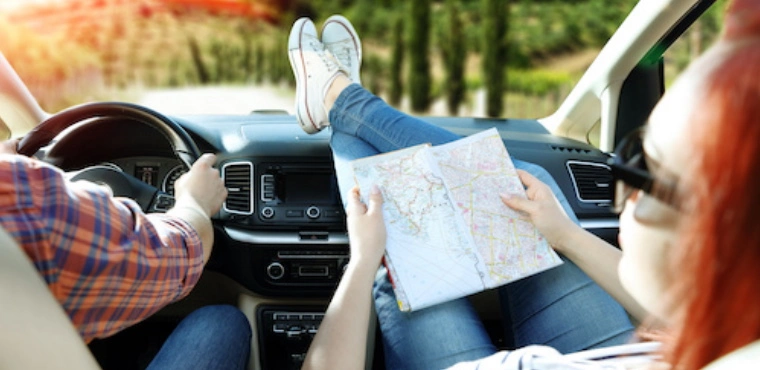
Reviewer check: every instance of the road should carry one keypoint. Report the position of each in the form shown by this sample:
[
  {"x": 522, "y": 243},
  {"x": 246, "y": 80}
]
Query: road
[
  {"x": 245, "y": 99},
  {"x": 218, "y": 100}
]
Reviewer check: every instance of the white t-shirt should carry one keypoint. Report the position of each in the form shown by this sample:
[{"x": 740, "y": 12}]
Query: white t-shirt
[
  {"x": 747, "y": 357},
  {"x": 623, "y": 357}
]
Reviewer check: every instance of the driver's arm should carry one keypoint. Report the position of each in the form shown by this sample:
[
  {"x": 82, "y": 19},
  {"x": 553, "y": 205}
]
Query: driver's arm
[
  {"x": 199, "y": 195},
  {"x": 108, "y": 264},
  {"x": 9, "y": 146}
]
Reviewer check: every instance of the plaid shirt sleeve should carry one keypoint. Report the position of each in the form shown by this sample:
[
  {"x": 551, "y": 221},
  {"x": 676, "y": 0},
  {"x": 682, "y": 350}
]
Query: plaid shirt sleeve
[{"x": 107, "y": 263}]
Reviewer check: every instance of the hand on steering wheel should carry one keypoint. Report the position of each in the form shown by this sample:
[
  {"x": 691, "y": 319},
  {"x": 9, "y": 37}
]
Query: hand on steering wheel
[{"x": 148, "y": 197}]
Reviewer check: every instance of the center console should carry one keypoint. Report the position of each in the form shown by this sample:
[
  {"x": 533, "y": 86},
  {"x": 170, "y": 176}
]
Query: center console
[
  {"x": 285, "y": 333},
  {"x": 285, "y": 237},
  {"x": 274, "y": 196},
  {"x": 286, "y": 221}
]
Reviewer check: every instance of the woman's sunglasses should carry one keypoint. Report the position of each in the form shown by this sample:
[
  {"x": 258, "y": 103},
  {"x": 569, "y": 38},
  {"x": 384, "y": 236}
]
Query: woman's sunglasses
[{"x": 630, "y": 166}]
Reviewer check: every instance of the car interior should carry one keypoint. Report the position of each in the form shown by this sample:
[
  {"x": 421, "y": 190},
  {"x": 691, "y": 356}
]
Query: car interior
[{"x": 280, "y": 238}]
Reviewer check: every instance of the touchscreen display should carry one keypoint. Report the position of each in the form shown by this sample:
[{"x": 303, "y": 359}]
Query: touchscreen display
[{"x": 310, "y": 187}]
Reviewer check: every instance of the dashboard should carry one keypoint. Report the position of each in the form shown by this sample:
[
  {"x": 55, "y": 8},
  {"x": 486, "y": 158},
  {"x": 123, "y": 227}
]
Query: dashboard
[
  {"x": 159, "y": 172},
  {"x": 281, "y": 231}
]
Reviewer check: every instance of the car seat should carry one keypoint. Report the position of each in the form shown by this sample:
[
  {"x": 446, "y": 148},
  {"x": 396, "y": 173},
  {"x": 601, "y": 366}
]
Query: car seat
[{"x": 35, "y": 332}]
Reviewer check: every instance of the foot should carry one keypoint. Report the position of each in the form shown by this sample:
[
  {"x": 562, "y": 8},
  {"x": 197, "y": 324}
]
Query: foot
[
  {"x": 339, "y": 36},
  {"x": 315, "y": 68}
]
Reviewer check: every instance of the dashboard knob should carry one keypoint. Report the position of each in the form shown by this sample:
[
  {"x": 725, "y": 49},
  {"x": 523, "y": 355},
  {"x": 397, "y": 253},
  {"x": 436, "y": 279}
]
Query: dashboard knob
[
  {"x": 267, "y": 212},
  {"x": 313, "y": 212},
  {"x": 275, "y": 270}
]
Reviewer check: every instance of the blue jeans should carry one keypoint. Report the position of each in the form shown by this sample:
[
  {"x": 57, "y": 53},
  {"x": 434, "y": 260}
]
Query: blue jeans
[
  {"x": 561, "y": 307},
  {"x": 211, "y": 337}
]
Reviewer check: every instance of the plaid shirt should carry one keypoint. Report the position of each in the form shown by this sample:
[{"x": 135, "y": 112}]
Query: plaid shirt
[{"x": 107, "y": 263}]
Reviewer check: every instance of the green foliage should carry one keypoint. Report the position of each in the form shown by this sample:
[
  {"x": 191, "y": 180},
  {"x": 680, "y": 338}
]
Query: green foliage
[
  {"x": 397, "y": 62},
  {"x": 197, "y": 58},
  {"x": 542, "y": 29},
  {"x": 538, "y": 82},
  {"x": 205, "y": 48},
  {"x": 44, "y": 59},
  {"x": 452, "y": 45},
  {"x": 695, "y": 40},
  {"x": 375, "y": 76},
  {"x": 418, "y": 46},
  {"x": 495, "y": 15},
  {"x": 258, "y": 68}
]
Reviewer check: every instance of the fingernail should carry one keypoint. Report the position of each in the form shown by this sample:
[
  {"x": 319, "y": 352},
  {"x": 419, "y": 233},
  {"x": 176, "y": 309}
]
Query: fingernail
[{"x": 375, "y": 189}]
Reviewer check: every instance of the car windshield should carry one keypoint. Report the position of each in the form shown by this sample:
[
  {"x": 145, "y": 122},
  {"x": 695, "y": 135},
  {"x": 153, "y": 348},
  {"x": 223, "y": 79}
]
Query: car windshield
[{"x": 229, "y": 57}]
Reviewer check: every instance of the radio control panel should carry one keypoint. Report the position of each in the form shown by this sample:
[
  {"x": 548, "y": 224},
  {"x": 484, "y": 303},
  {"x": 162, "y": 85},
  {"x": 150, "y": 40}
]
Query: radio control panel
[
  {"x": 305, "y": 266},
  {"x": 285, "y": 334},
  {"x": 298, "y": 194}
]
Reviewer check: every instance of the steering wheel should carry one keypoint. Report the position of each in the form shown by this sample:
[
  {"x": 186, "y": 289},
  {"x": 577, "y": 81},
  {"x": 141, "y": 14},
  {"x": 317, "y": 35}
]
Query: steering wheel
[{"x": 148, "y": 197}]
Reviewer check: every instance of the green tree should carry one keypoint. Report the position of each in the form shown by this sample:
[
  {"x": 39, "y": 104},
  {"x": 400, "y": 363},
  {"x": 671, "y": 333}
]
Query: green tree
[
  {"x": 200, "y": 66},
  {"x": 375, "y": 76},
  {"x": 276, "y": 74},
  {"x": 397, "y": 62},
  {"x": 363, "y": 11},
  {"x": 419, "y": 65},
  {"x": 259, "y": 68},
  {"x": 247, "y": 58},
  {"x": 494, "y": 54},
  {"x": 454, "y": 56},
  {"x": 218, "y": 54}
]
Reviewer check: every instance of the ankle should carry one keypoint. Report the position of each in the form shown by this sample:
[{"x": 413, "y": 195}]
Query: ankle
[{"x": 336, "y": 87}]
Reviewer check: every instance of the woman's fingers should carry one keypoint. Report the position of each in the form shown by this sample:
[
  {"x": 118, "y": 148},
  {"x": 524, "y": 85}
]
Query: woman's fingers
[
  {"x": 375, "y": 201},
  {"x": 355, "y": 203}
]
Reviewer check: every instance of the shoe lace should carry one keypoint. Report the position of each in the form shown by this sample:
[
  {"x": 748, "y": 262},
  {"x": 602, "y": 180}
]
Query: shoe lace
[
  {"x": 343, "y": 54},
  {"x": 328, "y": 59}
]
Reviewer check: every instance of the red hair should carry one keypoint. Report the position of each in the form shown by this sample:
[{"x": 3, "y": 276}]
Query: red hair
[{"x": 716, "y": 266}]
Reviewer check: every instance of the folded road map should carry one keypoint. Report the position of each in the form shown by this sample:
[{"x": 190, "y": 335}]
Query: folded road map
[{"x": 449, "y": 234}]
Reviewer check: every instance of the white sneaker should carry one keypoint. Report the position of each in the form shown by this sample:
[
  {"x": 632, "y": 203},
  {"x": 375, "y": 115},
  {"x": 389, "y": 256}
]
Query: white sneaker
[
  {"x": 339, "y": 36},
  {"x": 315, "y": 68}
]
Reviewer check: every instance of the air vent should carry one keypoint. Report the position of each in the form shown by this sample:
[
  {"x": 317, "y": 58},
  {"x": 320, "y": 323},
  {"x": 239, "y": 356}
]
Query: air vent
[
  {"x": 568, "y": 149},
  {"x": 238, "y": 178},
  {"x": 593, "y": 181}
]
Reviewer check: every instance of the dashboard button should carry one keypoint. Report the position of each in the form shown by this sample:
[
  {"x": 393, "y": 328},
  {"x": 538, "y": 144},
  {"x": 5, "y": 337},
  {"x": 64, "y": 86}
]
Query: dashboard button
[
  {"x": 275, "y": 270},
  {"x": 333, "y": 213},
  {"x": 313, "y": 212},
  {"x": 294, "y": 213},
  {"x": 267, "y": 212}
]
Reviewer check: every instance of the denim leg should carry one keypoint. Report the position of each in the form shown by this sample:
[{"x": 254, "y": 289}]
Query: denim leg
[
  {"x": 439, "y": 336},
  {"x": 359, "y": 113},
  {"x": 414, "y": 340},
  {"x": 431, "y": 338},
  {"x": 212, "y": 337},
  {"x": 562, "y": 307},
  {"x": 347, "y": 148}
]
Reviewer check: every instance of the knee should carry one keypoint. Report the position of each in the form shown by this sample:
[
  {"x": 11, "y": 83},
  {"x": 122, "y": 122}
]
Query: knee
[{"x": 223, "y": 321}]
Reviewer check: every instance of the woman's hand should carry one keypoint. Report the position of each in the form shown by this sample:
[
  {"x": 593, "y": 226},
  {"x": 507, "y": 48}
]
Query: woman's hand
[
  {"x": 366, "y": 229},
  {"x": 543, "y": 209},
  {"x": 341, "y": 342}
]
